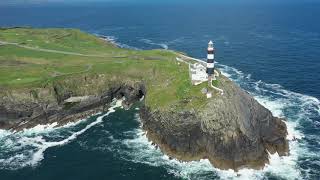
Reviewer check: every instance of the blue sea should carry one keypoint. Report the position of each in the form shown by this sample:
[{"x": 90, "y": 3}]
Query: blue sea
[{"x": 272, "y": 50}]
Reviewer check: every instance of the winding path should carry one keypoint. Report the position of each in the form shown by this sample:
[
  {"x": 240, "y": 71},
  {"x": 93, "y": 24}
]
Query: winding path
[
  {"x": 57, "y": 74},
  {"x": 50, "y": 50},
  {"x": 217, "y": 89}
]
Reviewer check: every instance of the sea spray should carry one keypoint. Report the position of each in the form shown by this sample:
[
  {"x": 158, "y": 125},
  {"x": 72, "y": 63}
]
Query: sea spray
[
  {"x": 281, "y": 102},
  {"x": 142, "y": 151},
  {"x": 113, "y": 40},
  {"x": 295, "y": 107},
  {"x": 150, "y": 42},
  {"x": 273, "y": 97},
  {"x": 27, "y": 148}
]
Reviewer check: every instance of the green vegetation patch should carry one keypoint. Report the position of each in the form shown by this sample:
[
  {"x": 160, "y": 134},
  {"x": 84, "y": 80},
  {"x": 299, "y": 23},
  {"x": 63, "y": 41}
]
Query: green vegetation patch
[{"x": 27, "y": 63}]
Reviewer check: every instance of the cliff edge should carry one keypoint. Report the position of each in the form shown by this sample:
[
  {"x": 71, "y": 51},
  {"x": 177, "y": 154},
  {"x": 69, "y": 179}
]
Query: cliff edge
[
  {"x": 62, "y": 75},
  {"x": 233, "y": 131}
]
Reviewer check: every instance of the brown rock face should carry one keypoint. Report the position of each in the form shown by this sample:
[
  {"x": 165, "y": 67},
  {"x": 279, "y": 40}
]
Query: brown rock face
[
  {"x": 17, "y": 114},
  {"x": 233, "y": 131}
]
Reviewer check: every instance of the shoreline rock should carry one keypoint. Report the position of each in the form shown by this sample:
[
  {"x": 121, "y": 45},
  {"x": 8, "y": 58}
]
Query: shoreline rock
[
  {"x": 17, "y": 115},
  {"x": 233, "y": 131}
]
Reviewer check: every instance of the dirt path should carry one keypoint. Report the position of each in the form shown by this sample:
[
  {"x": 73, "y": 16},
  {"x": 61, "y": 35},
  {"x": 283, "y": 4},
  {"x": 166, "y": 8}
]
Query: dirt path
[
  {"x": 51, "y": 50},
  {"x": 189, "y": 58},
  {"x": 57, "y": 74},
  {"x": 217, "y": 89}
]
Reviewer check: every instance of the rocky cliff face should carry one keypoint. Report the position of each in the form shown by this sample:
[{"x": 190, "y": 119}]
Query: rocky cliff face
[
  {"x": 233, "y": 131},
  {"x": 20, "y": 111}
]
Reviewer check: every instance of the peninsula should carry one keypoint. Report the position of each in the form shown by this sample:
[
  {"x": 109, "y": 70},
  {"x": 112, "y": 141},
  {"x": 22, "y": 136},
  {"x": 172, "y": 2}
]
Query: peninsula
[{"x": 62, "y": 75}]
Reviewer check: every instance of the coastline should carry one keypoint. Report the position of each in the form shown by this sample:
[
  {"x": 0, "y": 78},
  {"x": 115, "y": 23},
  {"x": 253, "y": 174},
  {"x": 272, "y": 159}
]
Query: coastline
[
  {"x": 231, "y": 130},
  {"x": 194, "y": 135}
]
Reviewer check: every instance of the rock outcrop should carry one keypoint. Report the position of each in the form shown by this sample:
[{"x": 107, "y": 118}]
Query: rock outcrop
[
  {"x": 233, "y": 131},
  {"x": 18, "y": 113}
]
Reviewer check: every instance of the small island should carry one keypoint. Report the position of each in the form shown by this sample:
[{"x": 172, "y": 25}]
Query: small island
[{"x": 63, "y": 75}]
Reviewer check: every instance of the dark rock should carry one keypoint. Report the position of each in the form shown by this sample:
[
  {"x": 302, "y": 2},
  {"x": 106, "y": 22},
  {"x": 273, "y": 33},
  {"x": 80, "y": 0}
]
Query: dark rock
[
  {"x": 233, "y": 131},
  {"x": 18, "y": 115}
]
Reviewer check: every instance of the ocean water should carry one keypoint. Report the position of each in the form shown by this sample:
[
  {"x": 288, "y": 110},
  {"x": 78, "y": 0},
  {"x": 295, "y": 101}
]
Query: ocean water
[{"x": 270, "y": 50}]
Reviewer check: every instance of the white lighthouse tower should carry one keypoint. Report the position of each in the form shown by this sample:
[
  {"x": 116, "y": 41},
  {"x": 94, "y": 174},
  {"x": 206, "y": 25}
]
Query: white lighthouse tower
[{"x": 210, "y": 62}]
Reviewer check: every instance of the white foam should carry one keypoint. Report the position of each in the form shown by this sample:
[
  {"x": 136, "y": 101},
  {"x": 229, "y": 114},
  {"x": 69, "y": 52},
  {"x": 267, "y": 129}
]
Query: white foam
[
  {"x": 278, "y": 102},
  {"x": 40, "y": 128},
  {"x": 113, "y": 40},
  {"x": 296, "y": 108},
  {"x": 148, "y": 41},
  {"x": 141, "y": 151},
  {"x": 309, "y": 105},
  {"x": 38, "y": 156},
  {"x": 32, "y": 144},
  {"x": 4, "y": 133},
  {"x": 46, "y": 128}
]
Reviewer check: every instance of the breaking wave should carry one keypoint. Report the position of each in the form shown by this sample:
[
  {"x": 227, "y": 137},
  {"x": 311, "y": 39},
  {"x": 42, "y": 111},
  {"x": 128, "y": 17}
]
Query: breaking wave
[
  {"x": 27, "y": 148},
  {"x": 148, "y": 41},
  {"x": 113, "y": 40},
  {"x": 296, "y": 108},
  {"x": 302, "y": 112},
  {"x": 163, "y": 45}
]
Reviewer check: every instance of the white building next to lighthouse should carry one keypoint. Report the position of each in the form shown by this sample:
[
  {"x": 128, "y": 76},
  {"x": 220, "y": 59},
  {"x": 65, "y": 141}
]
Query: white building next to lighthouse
[
  {"x": 203, "y": 71},
  {"x": 198, "y": 73}
]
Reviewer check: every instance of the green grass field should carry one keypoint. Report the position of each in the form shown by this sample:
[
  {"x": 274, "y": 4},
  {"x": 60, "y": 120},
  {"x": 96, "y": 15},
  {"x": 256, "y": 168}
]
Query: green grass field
[{"x": 21, "y": 68}]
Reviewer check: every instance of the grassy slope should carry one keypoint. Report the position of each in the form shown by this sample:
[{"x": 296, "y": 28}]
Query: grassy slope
[{"x": 167, "y": 82}]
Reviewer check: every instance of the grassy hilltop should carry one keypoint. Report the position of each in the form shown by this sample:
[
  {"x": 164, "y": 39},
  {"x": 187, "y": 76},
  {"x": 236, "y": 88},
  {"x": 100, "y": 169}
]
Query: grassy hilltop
[{"x": 32, "y": 59}]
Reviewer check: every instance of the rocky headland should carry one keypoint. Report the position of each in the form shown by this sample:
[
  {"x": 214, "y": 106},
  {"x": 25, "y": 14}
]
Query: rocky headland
[{"x": 232, "y": 130}]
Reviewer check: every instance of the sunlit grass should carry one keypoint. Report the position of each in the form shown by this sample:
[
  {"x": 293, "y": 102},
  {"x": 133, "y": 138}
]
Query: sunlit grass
[{"x": 167, "y": 82}]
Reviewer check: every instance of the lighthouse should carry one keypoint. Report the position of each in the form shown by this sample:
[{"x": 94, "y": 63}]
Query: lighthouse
[{"x": 210, "y": 61}]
